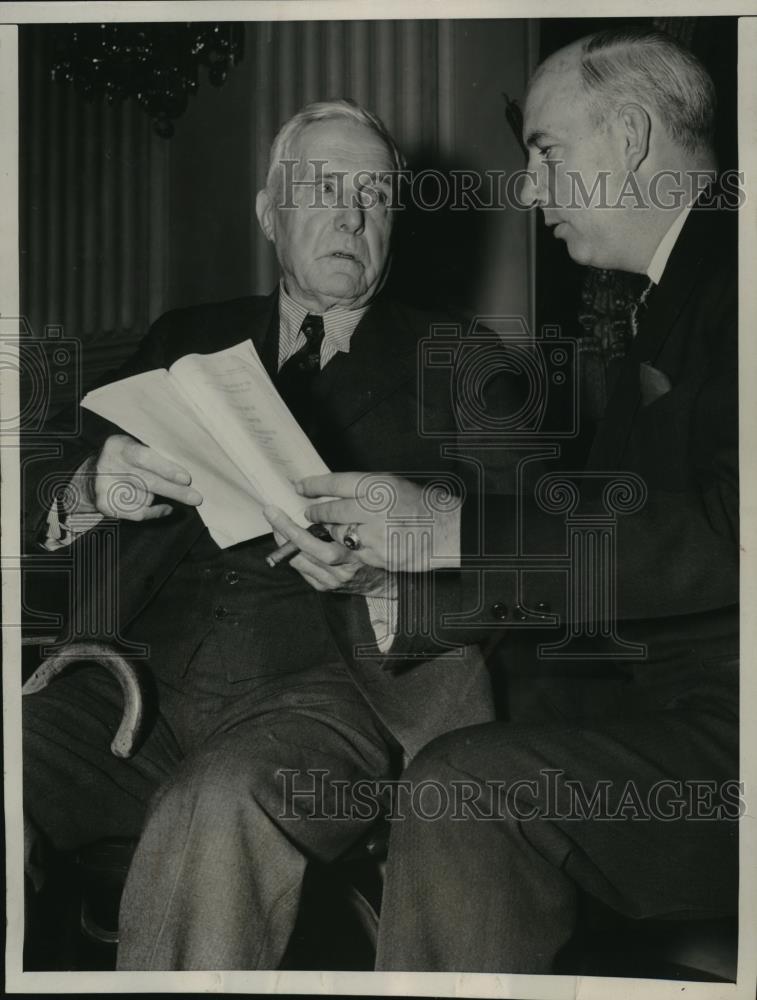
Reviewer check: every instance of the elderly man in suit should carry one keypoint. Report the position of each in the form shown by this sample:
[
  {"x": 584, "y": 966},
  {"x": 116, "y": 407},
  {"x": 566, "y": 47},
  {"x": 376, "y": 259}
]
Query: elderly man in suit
[
  {"x": 631, "y": 795},
  {"x": 250, "y": 667}
]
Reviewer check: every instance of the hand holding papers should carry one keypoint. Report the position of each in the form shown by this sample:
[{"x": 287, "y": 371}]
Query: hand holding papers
[{"x": 220, "y": 417}]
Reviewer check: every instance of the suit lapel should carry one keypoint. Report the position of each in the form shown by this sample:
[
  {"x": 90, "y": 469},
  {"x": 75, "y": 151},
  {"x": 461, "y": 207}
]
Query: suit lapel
[
  {"x": 382, "y": 356},
  {"x": 666, "y": 303},
  {"x": 265, "y": 334}
]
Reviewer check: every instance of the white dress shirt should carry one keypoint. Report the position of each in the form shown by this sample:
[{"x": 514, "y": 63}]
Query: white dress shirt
[{"x": 664, "y": 249}]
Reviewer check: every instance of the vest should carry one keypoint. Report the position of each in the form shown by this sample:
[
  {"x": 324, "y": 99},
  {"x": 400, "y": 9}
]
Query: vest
[{"x": 265, "y": 622}]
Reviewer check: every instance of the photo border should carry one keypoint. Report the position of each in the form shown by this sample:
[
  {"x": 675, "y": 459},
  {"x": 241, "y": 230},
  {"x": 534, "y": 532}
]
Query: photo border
[{"x": 374, "y": 983}]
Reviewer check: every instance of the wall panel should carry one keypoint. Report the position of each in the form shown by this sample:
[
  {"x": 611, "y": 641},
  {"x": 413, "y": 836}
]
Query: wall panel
[{"x": 92, "y": 203}]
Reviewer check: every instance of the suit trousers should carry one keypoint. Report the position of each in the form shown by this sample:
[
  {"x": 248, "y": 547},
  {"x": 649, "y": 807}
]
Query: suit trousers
[
  {"x": 485, "y": 877},
  {"x": 215, "y": 881}
]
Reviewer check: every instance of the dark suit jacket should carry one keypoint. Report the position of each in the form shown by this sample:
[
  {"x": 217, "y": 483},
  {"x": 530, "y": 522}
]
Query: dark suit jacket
[
  {"x": 371, "y": 398},
  {"x": 678, "y": 556}
]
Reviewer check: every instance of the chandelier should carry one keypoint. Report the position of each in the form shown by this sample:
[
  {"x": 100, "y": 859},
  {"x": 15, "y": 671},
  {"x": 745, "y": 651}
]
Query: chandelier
[{"x": 156, "y": 64}]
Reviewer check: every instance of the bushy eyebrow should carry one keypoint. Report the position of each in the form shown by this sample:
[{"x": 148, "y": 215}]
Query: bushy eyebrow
[
  {"x": 378, "y": 176},
  {"x": 538, "y": 138},
  {"x": 382, "y": 177}
]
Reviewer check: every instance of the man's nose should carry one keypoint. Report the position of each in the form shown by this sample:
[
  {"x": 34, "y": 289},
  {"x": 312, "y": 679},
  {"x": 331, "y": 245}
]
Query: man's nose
[
  {"x": 350, "y": 218},
  {"x": 533, "y": 189}
]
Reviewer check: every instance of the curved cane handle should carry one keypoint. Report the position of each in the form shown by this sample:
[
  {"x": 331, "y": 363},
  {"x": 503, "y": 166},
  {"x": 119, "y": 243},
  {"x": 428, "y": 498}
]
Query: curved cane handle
[{"x": 128, "y": 732}]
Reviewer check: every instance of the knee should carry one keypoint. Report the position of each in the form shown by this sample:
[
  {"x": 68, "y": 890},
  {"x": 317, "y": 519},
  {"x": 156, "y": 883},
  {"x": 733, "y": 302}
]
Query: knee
[
  {"x": 213, "y": 788},
  {"x": 36, "y": 734},
  {"x": 509, "y": 753},
  {"x": 447, "y": 756},
  {"x": 434, "y": 778},
  {"x": 430, "y": 764},
  {"x": 485, "y": 771}
]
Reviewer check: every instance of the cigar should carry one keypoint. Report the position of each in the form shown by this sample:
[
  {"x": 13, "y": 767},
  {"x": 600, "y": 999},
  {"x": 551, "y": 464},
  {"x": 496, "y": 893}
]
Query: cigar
[{"x": 289, "y": 550}]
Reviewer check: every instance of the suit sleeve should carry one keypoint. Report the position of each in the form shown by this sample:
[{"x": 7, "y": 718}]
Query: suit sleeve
[
  {"x": 51, "y": 458},
  {"x": 677, "y": 554}
]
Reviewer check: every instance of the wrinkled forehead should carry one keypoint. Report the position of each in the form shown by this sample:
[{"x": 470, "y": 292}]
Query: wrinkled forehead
[{"x": 344, "y": 145}]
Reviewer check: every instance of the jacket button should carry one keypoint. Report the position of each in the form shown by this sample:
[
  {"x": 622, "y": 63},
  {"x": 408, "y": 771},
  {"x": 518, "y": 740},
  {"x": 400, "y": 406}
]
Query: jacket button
[
  {"x": 499, "y": 611},
  {"x": 220, "y": 612},
  {"x": 542, "y": 607},
  {"x": 232, "y": 577},
  {"x": 519, "y": 614}
]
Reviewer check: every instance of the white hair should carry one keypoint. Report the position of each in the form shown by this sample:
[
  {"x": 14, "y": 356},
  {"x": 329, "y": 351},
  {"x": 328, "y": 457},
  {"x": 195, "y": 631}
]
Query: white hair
[
  {"x": 284, "y": 143},
  {"x": 640, "y": 64}
]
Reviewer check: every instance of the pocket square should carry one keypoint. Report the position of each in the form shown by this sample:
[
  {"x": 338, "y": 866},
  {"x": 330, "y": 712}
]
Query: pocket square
[{"x": 653, "y": 383}]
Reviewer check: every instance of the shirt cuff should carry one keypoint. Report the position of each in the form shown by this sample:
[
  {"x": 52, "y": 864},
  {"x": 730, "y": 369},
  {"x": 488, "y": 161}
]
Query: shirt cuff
[
  {"x": 383, "y": 614},
  {"x": 447, "y": 547},
  {"x": 65, "y": 525}
]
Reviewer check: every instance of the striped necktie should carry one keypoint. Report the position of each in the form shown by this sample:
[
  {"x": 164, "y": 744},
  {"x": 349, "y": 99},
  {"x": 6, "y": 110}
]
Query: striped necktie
[{"x": 295, "y": 378}]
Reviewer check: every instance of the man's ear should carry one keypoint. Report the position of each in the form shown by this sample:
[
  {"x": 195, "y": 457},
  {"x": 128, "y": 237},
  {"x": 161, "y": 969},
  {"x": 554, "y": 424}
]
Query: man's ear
[
  {"x": 264, "y": 211},
  {"x": 636, "y": 128}
]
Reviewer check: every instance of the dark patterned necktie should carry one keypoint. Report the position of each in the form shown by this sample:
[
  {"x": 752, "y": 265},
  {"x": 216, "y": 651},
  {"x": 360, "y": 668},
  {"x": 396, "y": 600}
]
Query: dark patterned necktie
[
  {"x": 295, "y": 379},
  {"x": 615, "y": 305}
]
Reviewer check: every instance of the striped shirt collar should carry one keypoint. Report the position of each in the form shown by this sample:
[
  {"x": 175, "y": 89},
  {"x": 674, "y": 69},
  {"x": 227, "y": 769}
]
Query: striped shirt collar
[{"x": 338, "y": 325}]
